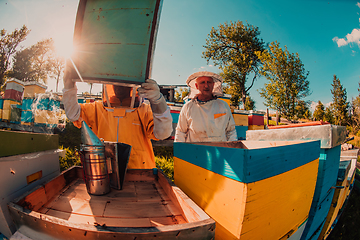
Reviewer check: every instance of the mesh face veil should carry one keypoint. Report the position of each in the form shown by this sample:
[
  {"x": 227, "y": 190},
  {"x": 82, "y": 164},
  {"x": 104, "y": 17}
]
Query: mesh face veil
[
  {"x": 120, "y": 96},
  {"x": 218, "y": 80}
]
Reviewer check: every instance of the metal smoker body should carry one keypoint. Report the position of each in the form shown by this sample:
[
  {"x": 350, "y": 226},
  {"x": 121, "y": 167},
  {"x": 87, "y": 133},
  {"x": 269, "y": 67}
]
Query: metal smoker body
[{"x": 94, "y": 162}]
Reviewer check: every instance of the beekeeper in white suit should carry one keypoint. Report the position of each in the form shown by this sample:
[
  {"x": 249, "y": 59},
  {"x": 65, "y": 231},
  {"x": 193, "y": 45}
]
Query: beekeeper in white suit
[{"x": 205, "y": 118}]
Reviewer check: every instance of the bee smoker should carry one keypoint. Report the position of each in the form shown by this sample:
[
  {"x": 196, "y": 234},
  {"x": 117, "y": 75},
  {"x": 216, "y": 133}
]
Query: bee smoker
[{"x": 94, "y": 163}]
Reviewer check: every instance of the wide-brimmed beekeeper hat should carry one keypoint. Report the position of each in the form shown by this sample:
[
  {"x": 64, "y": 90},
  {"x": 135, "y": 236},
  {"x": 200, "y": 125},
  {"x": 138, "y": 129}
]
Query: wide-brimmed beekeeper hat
[{"x": 218, "y": 80}]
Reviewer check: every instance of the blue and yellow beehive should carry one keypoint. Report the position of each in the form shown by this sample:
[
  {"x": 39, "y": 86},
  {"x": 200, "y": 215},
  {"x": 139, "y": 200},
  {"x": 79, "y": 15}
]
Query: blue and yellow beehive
[
  {"x": 241, "y": 123},
  {"x": 252, "y": 189},
  {"x": 331, "y": 137},
  {"x": 46, "y": 110}
]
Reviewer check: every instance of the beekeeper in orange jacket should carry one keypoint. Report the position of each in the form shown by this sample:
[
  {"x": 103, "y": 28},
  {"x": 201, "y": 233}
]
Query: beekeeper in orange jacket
[
  {"x": 205, "y": 118},
  {"x": 120, "y": 117}
]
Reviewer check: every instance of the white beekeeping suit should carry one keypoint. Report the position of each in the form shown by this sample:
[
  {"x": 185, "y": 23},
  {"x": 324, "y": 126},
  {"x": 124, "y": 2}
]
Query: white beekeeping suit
[{"x": 209, "y": 121}]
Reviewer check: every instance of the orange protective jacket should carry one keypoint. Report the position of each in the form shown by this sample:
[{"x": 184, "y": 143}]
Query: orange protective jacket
[{"x": 125, "y": 125}]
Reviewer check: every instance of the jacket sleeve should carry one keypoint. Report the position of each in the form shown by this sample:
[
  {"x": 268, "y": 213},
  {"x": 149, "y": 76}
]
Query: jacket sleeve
[
  {"x": 72, "y": 108},
  {"x": 182, "y": 127},
  {"x": 162, "y": 124},
  {"x": 231, "y": 134}
]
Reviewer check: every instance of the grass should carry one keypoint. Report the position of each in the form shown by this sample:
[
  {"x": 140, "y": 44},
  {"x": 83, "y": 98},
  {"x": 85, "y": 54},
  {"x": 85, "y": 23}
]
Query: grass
[{"x": 164, "y": 159}]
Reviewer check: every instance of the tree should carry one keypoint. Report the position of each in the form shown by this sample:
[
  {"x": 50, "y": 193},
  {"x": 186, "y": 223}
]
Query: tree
[
  {"x": 287, "y": 77},
  {"x": 302, "y": 110},
  {"x": 181, "y": 93},
  {"x": 8, "y": 45},
  {"x": 232, "y": 47},
  {"x": 355, "y": 109},
  {"x": 340, "y": 105},
  {"x": 57, "y": 66},
  {"x": 328, "y": 115},
  {"x": 319, "y": 112},
  {"x": 36, "y": 63},
  {"x": 249, "y": 104}
]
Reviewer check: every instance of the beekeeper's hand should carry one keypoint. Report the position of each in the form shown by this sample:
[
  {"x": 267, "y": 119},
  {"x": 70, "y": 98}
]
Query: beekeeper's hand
[
  {"x": 150, "y": 90},
  {"x": 68, "y": 83},
  {"x": 161, "y": 112}
]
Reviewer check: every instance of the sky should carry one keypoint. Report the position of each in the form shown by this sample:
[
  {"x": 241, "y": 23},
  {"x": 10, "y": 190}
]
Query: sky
[{"x": 325, "y": 34}]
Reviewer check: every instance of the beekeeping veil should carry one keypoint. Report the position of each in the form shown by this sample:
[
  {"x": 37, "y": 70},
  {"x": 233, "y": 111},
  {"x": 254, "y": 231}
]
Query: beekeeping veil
[
  {"x": 218, "y": 80},
  {"x": 120, "y": 96}
]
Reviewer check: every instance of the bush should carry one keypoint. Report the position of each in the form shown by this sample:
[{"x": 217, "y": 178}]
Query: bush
[
  {"x": 166, "y": 165},
  {"x": 70, "y": 137},
  {"x": 71, "y": 159}
]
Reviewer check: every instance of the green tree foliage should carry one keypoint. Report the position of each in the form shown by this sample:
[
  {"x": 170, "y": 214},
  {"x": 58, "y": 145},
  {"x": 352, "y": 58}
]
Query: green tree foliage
[
  {"x": 181, "y": 93},
  {"x": 287, "y": 77},
  {"x": 71, "y": 158},
  {"x": 249, "y": 103},
  {"x": 302, "y": 110},
  {"x": 70, "y": 137},
  {"x": 340, "y": 105},
  {"x": 328, "y": 116},
  {"x": 232, "y": 47},
  {"x": 319, "y": 113},
  {"x": 37, "y": 62},
  {"x": 8, "y": 45},
  {"x": 355, "y": 109}
]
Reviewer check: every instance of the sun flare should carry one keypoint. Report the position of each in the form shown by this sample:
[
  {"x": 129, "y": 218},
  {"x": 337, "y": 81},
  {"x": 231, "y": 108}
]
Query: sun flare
[{"x": 63, "y": 47}]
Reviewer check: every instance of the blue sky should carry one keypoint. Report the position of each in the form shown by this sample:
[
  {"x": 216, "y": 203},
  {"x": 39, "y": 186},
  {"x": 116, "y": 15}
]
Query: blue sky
[{"x": 326, "y": 34}]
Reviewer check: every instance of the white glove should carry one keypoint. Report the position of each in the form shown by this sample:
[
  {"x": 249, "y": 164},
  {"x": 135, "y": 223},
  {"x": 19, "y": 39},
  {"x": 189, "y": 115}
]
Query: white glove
[{"x": 150, "y": 90}]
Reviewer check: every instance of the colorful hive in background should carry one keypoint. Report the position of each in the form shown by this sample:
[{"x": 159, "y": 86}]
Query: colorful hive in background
[
  {"x": 241, "y": 123},
  {"x": 1, "y": 107},
  {"x": 81, "y": 100},
  {"x": 33, "y": 88},
  {"x": 226, "y": 98},
  {"x": 256, "y": 120},
  {"x": 252, "y": 189},
  {"x": 12, "y": 100},
  {"x": 46, "y": 110},
  {"x": 331, "y": 137}
]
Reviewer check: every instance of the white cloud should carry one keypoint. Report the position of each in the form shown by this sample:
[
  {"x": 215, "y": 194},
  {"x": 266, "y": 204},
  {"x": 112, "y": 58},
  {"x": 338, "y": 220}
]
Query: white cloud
[
  {"x": 327, "y": 104},
  {"x": 206, "y": 68},
  {"x": 313, "y": 106},
  {"x": 353, "y": 37}
]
